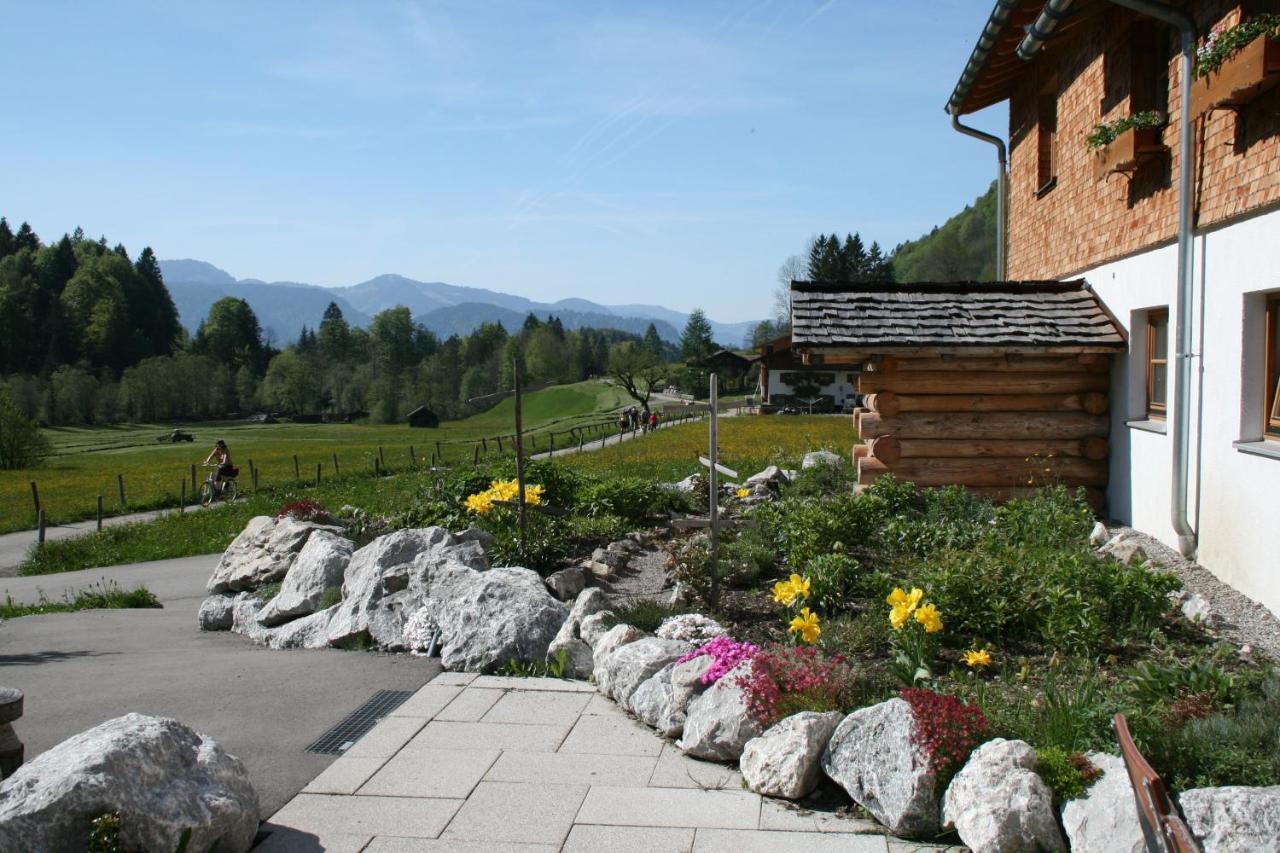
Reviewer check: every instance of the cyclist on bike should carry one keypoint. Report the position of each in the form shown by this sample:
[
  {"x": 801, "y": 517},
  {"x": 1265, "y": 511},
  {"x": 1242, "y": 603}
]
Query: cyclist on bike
[{"x": 225, "y": 468}]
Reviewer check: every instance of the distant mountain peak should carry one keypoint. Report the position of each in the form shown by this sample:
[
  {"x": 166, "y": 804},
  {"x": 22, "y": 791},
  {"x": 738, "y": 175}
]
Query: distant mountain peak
[{"x": 195, "y": 272}]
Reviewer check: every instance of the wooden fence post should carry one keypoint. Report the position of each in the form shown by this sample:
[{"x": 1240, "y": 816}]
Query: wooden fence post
[
  {"x": 336, "y": 472},
  {"x": 120, "y": 483},
  {"x": 579, "y": 442},
  {"x": 382, "y": 460},
  {"x": 99, "y": 513},
  {"x": 254, "y": 473},
  {"x": 499, "y": 440},
  {"x": 318, "y": 464},
  {"x": 475, "y": 457},
  {"x": 297, "y": 475},
  {"x": 40, "y": 528},
  {"x": 193, "y": 478},
  {"x": 35, "y": 497},
  {"x": 413, "y": 459},
  {"x": 484, "y": 442},
  {"x": 438, "y": 454},
  {"x": 182, "y": 501}
]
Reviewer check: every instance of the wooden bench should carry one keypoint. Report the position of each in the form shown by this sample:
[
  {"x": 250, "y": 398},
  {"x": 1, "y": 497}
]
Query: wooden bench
[{"x": 1162, "y": 826}]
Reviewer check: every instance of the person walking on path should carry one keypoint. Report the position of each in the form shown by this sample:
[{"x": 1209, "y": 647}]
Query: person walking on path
[{"x": 653, "y": 421}]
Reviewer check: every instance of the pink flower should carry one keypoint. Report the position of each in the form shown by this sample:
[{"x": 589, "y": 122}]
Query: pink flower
[{"x": 726, "y": 653}]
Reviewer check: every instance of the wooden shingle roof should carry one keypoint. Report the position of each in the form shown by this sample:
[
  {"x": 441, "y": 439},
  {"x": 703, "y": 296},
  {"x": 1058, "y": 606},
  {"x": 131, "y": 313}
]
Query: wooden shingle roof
[{"x": 1022, "y": 315}]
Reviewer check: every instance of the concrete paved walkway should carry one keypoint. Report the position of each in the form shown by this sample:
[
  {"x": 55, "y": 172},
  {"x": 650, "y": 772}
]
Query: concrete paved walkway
[
  {"x": 264, "y": 706},
  {"x": 501, "y": 765}
]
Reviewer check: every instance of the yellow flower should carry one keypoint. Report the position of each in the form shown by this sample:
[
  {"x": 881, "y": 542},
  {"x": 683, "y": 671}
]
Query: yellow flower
[
  {"x": 977, "y": 658},
  {"x": 801, "y": 586},
  {"x": 480, "y": 503},
  {"x": 742, "y": 493},
  {"x": 930, "y": 618},
  {"x": 806, "y": 625},
  {"x": 784, "y": 593},
  {"x": 906, "y": 600},
  {"x": 898, "y": 616}
]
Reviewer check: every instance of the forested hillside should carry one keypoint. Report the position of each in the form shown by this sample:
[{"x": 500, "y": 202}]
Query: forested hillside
[
  {"x": 88, "y": 336},
  {"x": 961, "y": 249}
]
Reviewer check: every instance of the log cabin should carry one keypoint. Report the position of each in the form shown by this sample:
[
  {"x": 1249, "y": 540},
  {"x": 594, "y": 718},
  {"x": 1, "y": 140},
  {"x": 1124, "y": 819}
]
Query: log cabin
[
  {"x": 787, "y": 382},
  {"x": 998, "y": 386}
]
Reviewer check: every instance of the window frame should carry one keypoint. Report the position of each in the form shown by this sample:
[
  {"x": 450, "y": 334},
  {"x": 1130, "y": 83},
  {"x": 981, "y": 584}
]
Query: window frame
[
  {"x": 1047, "y": 139},
  {"x": 1157, "y": 411},
  {"x": 1271, "y": 372}
]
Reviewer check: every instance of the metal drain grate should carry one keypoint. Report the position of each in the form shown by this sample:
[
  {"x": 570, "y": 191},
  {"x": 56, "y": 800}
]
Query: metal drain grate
[{"x": 357, "y": 724}]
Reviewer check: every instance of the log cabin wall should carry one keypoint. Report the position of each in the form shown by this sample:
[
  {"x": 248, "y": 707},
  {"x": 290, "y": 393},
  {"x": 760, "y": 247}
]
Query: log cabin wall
[{"x": 998, "y": 425}]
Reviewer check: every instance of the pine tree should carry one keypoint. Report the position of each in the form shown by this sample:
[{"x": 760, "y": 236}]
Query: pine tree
[
  {"x": 652, "y": 340},
  {"x": 853, "y": 259},
  {"x": 817, "y": 251},
  {"x": 161, "y": 315},
  {"x": 696, "y": 341},
  {"x": 25, "y": 239},
  {"x": 334, "y": 338},
  {"x": 6, "y": 239}
]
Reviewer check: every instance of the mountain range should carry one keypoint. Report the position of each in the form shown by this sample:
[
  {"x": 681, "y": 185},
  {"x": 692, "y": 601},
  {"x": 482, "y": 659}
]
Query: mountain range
[{"x": 284, "y": 307}]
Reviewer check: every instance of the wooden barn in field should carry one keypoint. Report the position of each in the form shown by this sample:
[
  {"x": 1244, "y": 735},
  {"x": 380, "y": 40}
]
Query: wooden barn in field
[{"x": 997, "y": 386}]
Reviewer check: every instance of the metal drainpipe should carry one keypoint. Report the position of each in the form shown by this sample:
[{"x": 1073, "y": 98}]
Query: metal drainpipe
[
  {"x": 1002, "y": 181},
  {"x": 1183, "y": 377}
]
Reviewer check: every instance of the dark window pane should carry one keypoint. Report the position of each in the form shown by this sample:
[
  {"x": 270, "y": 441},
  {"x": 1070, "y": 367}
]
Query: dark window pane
[{"x": 1158, "y": 383}]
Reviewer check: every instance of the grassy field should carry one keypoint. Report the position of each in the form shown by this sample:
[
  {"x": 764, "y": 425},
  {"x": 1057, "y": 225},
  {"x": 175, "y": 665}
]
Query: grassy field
[
  {"x": 747, "y": 444},
  {"x": 86, "y": 461}
]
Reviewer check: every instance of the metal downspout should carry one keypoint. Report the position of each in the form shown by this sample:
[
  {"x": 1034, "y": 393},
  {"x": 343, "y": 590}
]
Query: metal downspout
[
  {"x": 1002, "y": 181},
  {"x": 1053, "y": 12}
]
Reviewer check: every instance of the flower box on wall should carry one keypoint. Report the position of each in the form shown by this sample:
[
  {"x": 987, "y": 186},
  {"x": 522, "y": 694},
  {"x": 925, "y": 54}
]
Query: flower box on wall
[
  {"x": 1240, "y": 79},
  {"x": 1129, "y": 150}
]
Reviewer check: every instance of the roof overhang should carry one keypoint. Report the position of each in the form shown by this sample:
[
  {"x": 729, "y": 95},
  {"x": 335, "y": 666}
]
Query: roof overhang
[{"x": 994, "y": 68}]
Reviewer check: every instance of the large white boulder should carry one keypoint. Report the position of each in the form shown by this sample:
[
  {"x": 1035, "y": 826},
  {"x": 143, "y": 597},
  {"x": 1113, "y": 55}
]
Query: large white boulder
[
  {"x": 653, "y": 703},
  {"x": 593, "y": 627},
  {"x": 318, "y": 568},
  {"x": 624, "y": 669},
  {"x": 160, "y": 776},
  {"x": 614, "y": 639},
  {"x": 491, "y": 617},
  {"x": 390, "y": 579},
  {"x": 216, "y": 612},
  {"x": 786, "y": 761},
  {"x": 1233, "y": 819},
  {"x": 1105, "y": 819},
  {"x": 262, "y": 553},
  {"x": 772, "y": 474},
  {"x": 579, "y": 658},
  {"x": 875, "y": 756},
  {"x": 815, "y": 458},
  {"x": 997, "y": 803},
  {"x": 718, "y": 724},
  {"x": 686, "y": 681},
  {"x": 566, "y": 584}
]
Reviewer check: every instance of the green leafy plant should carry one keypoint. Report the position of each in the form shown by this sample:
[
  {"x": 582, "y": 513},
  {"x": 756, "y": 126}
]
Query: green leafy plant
[
  {"x": 634, "y": 499},
  {"x": 104, "y": 595},
  {"x": 1106, "y": 133},
  {"x": 329, "y": 597},
  {"x": 1068, "y": 774},
  {"x": 643, "y": 613},
  {"x": 552, "y": 667},
  {"x": 1223, "y": 44}
]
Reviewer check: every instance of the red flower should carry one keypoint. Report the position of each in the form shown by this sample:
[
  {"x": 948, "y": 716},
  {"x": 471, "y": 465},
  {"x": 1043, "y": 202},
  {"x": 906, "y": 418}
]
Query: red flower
[{"x": 947, "y": 728}]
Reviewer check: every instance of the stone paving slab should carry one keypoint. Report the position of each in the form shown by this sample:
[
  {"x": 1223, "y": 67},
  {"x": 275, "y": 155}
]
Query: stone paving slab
[{"x": 541, "y": 769}]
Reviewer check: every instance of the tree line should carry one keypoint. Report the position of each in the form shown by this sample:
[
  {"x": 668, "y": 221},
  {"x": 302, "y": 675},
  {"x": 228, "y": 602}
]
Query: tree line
[{"x": 92, "y": 337}]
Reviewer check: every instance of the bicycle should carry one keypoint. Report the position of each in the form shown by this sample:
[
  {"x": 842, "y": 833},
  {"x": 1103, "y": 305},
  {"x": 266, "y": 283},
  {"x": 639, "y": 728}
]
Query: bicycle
[{"x": 209, "y": 491}]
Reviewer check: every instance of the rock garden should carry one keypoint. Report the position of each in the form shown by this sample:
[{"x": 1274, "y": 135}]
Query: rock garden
[{"x": 945, "y": 666}]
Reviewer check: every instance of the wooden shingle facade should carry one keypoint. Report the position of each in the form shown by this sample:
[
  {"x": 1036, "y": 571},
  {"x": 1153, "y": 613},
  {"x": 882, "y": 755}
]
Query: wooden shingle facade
[{"x": 998, "y": 387}]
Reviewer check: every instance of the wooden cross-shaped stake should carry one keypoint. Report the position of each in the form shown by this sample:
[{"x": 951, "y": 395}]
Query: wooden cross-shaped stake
[{"x": 713, "y": 523}]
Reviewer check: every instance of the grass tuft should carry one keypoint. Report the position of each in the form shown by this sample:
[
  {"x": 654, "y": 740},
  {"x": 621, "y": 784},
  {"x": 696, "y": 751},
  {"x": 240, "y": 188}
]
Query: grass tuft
[{"x": 104, "y": 595}]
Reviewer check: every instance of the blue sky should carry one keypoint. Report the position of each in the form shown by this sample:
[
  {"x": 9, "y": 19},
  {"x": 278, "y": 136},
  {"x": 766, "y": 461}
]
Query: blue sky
[{"x": 671, "y": 153}]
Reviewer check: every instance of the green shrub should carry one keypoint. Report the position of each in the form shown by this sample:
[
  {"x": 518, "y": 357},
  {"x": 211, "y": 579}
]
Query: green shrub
[
  {"x": 1052, "y": 516},
  {"x": 1068, "y": 774},
  {"x": 823, "y": 480},
  {"x": 104, "y": 595},
  {"x": 856, "y": 637},
  {"x": 748, "y": 557},
  {"x": 643, "y": 613},
  {"x": 1159, "y": 682},
  {"x": 1069, "y": 711},
  {"x": 632, "y": 498},
  {"x": 22, "y": 445},
  {"x": 834, "y": 579}
]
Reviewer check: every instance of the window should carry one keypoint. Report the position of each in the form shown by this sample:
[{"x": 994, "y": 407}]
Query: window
[
  {"x": 1148, "y": 66},
  {"x": 1157, "y": 363},
  {"x": 1271, "y": 396},
  {"x": 1047, "y": 140}
]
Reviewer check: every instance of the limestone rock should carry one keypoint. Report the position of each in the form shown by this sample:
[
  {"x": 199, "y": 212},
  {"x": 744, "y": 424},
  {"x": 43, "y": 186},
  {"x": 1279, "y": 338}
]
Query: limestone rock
[
  {"x": 820, "y": 457},
  {"x": 653, "y": 703},
  {"x": 488, "y": 618},
  {"x": 615, "y": 638},
  {"x": 624, "y": 669},
  {"x": 999, "y": 804},
  {"x": 262, "y": 553},
  {"x": 875, "y": 757},
  {"x": 389, "y": 579},
  {"x": 690, "y": 628},
  {"x": 1105, "y": 819},
  {"x": 786, "y": 761},
  {"x": 592, "y": 627},
  {"x": 686, "y": 680},
  {"x": 567, "y": 583},
  {"x": 162, "y": 777},
  {"x": 688, "y": 485},
  {"x": 579, "y": 662},
  {"x": 1099, "y": 535},
  {"x": 318, "y": 568},
  {"x": 1234, "y": 819},
  {"x": 717, "y": 724},
  {"x": 244, "y": 616},
  {"x": 307, "y": 632},
  {"x": 1196, "y": 608},
  {"x": 215, "y": 612},
  {"x": 1125, "y": 549},
  {"x": 772, "y": 474}
]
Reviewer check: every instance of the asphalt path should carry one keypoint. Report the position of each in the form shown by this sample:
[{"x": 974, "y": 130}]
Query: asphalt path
[{"x": 264, "y": 706}]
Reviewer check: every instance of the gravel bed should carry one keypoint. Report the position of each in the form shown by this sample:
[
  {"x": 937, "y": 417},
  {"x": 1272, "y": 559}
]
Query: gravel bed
[
  {"x": 1239, "y": 618},
  {"x": 644, "y": 577}
]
